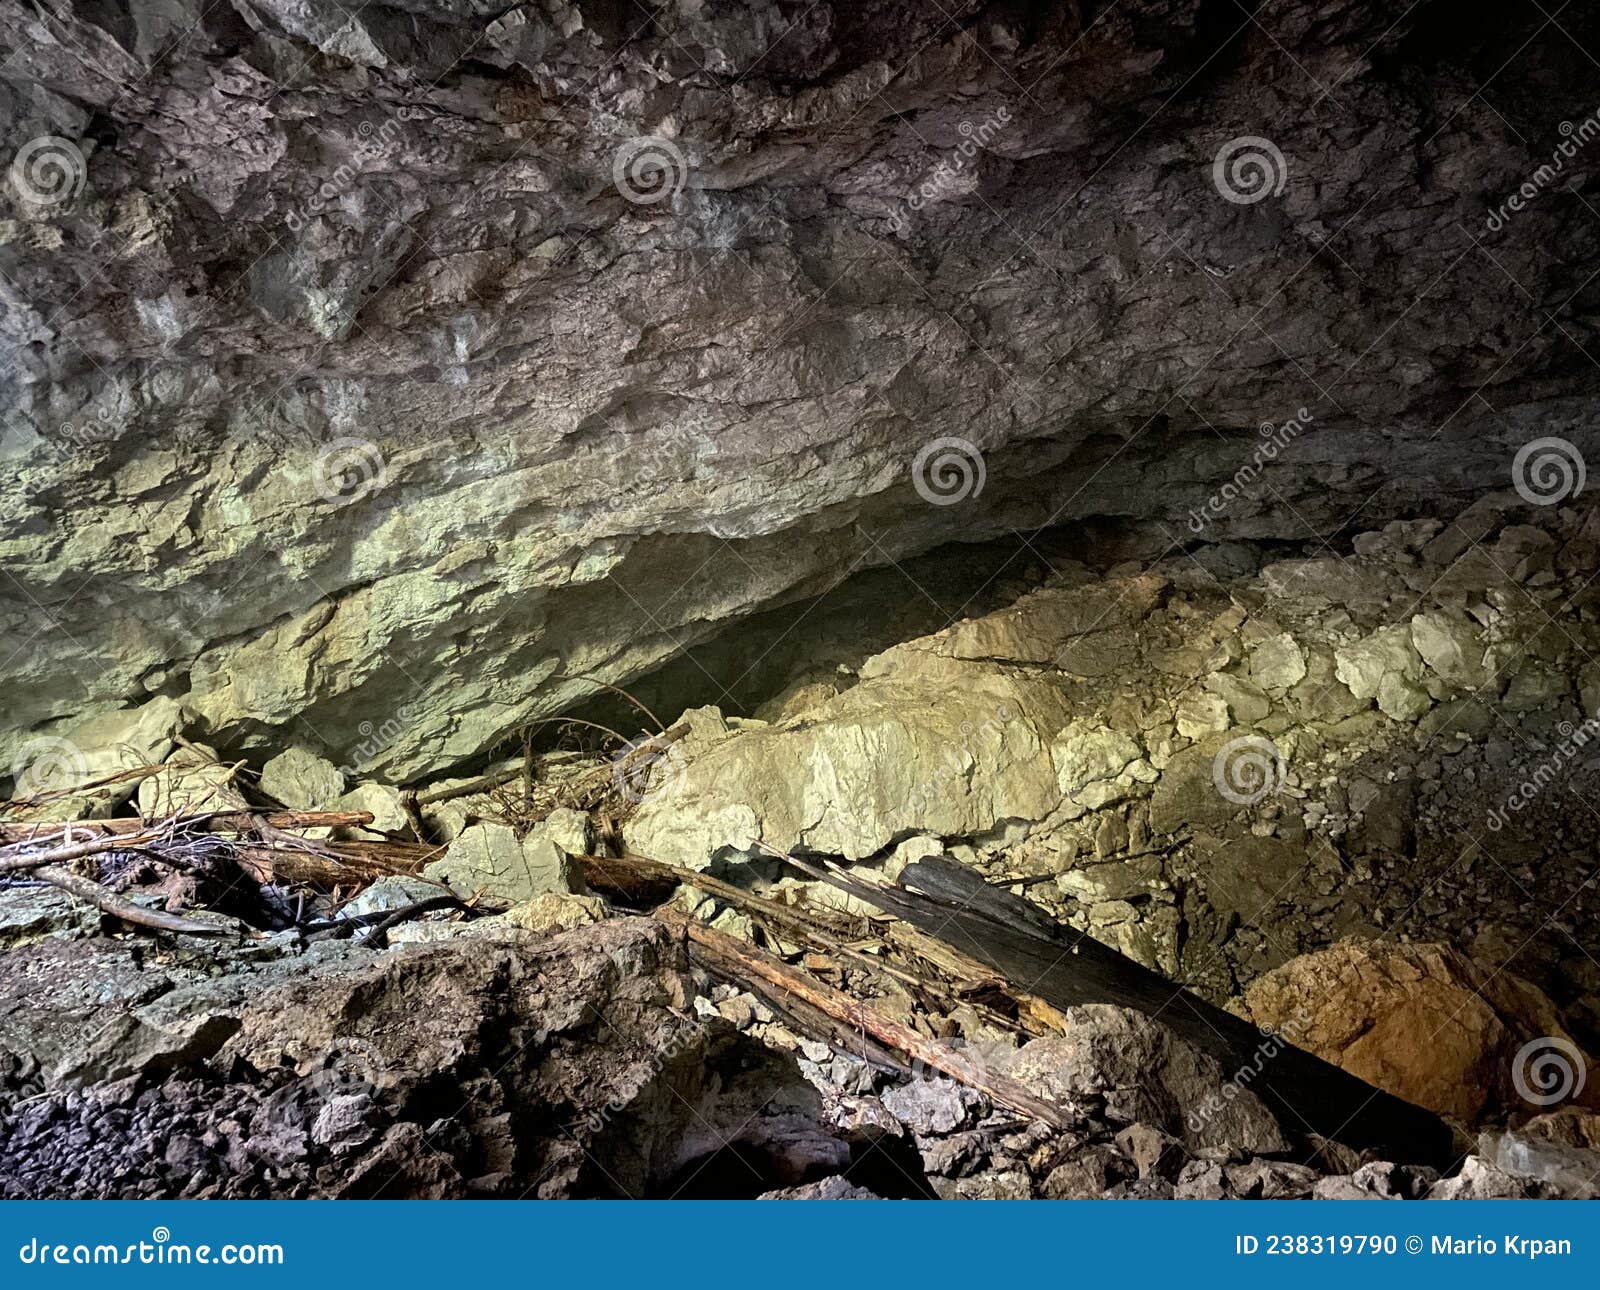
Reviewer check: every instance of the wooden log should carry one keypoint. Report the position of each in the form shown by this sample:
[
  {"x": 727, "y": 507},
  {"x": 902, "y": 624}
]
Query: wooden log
[
  {"x": 732, "y": 958},
  {"x": 128, "y": 912},
  {"x": 1067, "y": 968},
  {"x": 225, "y": 820}
]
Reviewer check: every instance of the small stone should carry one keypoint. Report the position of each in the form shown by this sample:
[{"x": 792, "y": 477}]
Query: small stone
[
  {"x": 490, "y": 858},
  {"x": 1277, "y": 663},
  {"x": 302, "y": 781},
  {"x": 382, "y": 801},
  {"x": 1201, "y": 714}
]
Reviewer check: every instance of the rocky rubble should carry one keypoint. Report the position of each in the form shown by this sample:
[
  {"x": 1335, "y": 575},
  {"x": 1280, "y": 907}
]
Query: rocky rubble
[{"x": 1222, "y": 760}]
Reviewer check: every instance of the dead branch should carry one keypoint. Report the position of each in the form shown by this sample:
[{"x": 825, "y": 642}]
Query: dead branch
[
  {"x": 117, "y": 907},
  {"x": 734, "y": 960}
]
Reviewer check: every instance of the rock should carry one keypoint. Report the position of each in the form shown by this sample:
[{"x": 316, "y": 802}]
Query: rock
[
  {"x": 1481, "y": 1181},
  {"x": 302, "y": 781},
  {"x": 569, "y": 829},
  {"x": 1270, "y": 1180},
  {"x": 1277, "y": 663},
  {"x": 1572, "y": 1172},
  {"x": 489, "y": 858},
  {"x": 395, "y": 891},
  {"x": 910, "y": 749},
  {"x": 1151, "y": 1150},
  {"x": 932, "y": 1107},
  {"x": 29, "y": 913},
  {"x": 1119, "y": 880},
  {"x": 1087, "y": 756},
  {"x": 1088, "y": 1176},
  {"x": 1385, "y": 666},
  {"x": 1143, "y": 1073},
  {"x": 835, "y": 1188},
  {"x": 71, "y": 753},
  {"x": 192, "y": 779},
  {"x": 1421, "y": 1021},
  {"x": 1246, "y": 704},
  {"x": 1201, "y": 713},
  {"x": 1452, "y": 647},
  {"x": 406, "y": 478},
  {"x": 556, "y": 912},
  {"x": 382, "y": 801}
]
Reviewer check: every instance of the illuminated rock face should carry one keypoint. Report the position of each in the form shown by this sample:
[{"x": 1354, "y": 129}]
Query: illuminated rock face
[{"x": 364, "y": 374}]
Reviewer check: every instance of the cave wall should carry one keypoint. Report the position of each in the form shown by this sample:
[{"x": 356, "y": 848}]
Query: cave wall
[{"x": 380, "y": 372}]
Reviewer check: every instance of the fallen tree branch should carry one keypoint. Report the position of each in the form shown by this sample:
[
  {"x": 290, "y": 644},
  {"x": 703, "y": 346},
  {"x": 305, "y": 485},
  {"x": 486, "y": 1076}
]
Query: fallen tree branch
[
  {"x": 378, "y": 937},
  {"x": 117, "y": 907},
  {"x": 735, "y": 960}
]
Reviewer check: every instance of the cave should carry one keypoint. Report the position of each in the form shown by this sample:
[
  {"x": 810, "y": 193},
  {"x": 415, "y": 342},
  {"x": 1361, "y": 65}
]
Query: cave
[{"x": 893, "y": 600}]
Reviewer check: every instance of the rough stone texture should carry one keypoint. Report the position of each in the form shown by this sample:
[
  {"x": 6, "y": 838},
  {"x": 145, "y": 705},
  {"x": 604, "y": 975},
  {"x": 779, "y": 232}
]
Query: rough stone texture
[
  {"x": 1142, "y": 1073},
  {"x": 381, "y": 257},
  {"x": 454, "y": 1070},
  {"x": 301, "y": 780},
  {"x": 490, "y": 858},
  {"x": 1422, "y": 1021}
]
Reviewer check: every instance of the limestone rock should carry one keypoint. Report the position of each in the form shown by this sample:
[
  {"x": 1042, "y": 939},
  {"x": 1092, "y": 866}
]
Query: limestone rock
[
  {"x": 78, "y": 752},
  {"x": 382, "y": 801},
  {"x": 1385, "y": 666},
  {"x": 380, "y": 425},
  {"x": 556, "y": 911},
  {"x": 192, "y": 779},
  {"x": 903, "y": 751},
  {"x": 1277, "y": 663},
  {"x": 1420, "y": 1021},
  {"x": 301, "y": 780},
  {"x": 490, "y": 858},
  {"x": 395, "y": 891},
  {"x": 1452, "y": 647},
  {"x": 1143, "y": 1073}
]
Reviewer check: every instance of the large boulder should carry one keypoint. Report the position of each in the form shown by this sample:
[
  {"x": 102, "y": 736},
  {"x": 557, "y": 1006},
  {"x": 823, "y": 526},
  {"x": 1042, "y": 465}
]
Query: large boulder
[{"x": 1428, "y": 1024}]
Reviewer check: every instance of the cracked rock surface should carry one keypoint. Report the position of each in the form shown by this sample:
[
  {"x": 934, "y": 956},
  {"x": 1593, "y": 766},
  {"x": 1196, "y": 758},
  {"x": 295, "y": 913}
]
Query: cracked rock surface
[{"x": 348, "y": 392}]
